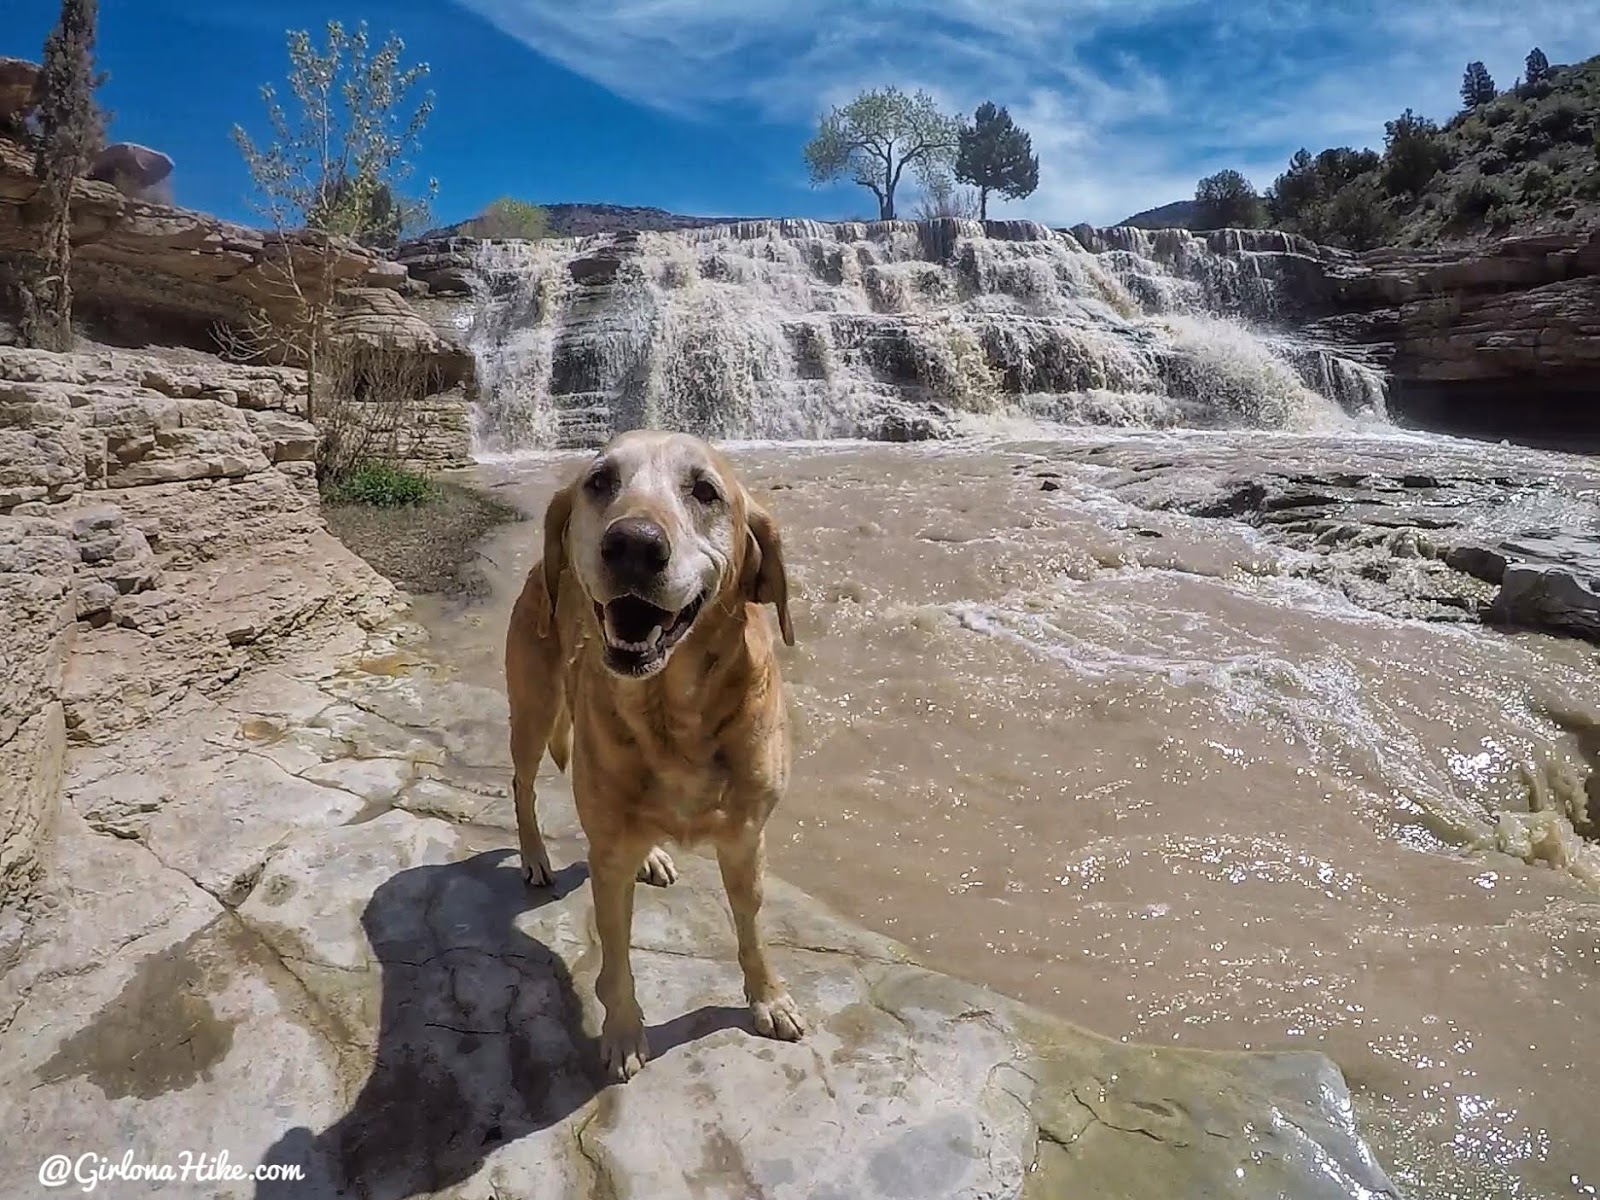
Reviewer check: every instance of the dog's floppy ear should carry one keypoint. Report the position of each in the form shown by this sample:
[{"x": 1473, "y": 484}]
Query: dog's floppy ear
[
  {"x": 766, "y": 579},
  {"x": 556, "y": 515}
]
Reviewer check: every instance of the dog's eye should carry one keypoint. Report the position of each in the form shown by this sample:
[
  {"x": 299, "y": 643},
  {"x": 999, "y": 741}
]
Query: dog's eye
[
  {"x": 705, "y": 492},
  {"x": 601, "y": 482}
]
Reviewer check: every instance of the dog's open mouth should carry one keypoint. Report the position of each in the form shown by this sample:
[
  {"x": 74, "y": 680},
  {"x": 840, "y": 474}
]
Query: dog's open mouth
[{"x": 638, "y": 636}]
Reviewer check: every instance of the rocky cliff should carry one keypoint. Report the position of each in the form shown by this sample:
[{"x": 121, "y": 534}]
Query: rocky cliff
[
  {"x": 148, "y": 274},
  {"x": 1503, "y": 341},
  {"x": 159, "y": 530},
  {"x": 151, "y": 274}
]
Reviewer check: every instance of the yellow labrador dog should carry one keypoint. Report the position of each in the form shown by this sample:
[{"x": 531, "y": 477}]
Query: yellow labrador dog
[{"x": 638, "y": 649}]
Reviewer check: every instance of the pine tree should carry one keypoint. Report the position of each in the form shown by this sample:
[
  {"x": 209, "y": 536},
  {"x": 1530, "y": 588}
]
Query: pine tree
[
  {"x": 1536, "y": 66},
  {"x": 69, "y": 135},
  {"x": 1477, "y": 85},
  {"x": 995, "y": 155}
]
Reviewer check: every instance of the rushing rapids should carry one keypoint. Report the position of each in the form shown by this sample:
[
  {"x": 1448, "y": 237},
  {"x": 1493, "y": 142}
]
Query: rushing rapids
[
  {"x": 895, "y": 331},
  {"x": 1191, "y": 727}
]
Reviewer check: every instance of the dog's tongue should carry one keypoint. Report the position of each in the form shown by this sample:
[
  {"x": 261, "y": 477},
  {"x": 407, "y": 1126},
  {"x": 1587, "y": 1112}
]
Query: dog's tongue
[{"x": 633, "y": 620}]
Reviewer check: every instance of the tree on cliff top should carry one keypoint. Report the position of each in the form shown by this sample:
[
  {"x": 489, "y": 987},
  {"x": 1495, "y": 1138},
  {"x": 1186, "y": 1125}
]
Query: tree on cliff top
[
  {"x": 70, "y": 133},
  {"x": 875, "y": 137},
  {"x": 332, "y": 173},
  {"x": 1227, "y": 200},
  {"x": 996, "y": 155},
  {"x": 1477, "y": 85},
  {"x": 1536, "y": 67}
]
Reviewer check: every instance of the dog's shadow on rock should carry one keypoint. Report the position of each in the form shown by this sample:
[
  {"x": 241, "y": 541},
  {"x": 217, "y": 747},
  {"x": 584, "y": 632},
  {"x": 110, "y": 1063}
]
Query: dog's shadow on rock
[{"x": 481, "y": 1039}]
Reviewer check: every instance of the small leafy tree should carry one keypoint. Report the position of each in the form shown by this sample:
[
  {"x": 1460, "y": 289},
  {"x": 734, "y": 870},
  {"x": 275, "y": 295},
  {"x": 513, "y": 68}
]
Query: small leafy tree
[
  {"x": 1227, "y": 200},
  {"x": 1357, "y": 216},
  {"x": 332, "y": 174},
  {"x": 875, "y": 137},
  {"x": 1413, "y": 153},
  {"x": 1477, "y": 85},
  {"x": 995, "y": 155},
  {"x": 510, "y": 218},
  {"x": 941, "y": 199},
  {"x": 1536, "y": 67},
  {"x": 69, "y": 134}
]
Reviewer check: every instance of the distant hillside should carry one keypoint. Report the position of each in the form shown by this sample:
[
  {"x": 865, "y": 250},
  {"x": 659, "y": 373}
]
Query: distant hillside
[
  {"x": 1176, "y": 215},
  {"x": 1525, "y": 162},
  {"x": 581, "y": 220}
]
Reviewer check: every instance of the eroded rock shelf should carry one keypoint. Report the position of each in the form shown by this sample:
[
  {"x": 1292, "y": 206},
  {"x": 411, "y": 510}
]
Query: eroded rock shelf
[{"x": 288, "y": 922}]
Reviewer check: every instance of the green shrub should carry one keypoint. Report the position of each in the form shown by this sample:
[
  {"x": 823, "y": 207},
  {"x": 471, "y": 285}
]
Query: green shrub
[
  {"x": 1414, "y": 152},
  {"x": 1492, "y": 162},
  {"x": 1537, "y": 181},
  {"x": 1358, "y": 218},
  {"x": 1476, "y": 197},
  {"x": 508, "y": 217},
  {"x": 383, "y": 485},
  {"x": 1560, "y": 116},
  {"x": 1498, "y": 113}
]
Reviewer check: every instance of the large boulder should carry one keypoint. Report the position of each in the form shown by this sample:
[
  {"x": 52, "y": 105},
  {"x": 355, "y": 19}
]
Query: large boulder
[
  {"x": 19, "y": 83},
  {"x": 1549, "y": 597},
  {"x": 131, "y": 169}
]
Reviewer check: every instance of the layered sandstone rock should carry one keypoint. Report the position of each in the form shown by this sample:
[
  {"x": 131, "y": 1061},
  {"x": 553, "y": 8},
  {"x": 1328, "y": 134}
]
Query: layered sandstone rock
[
  {"x": 37, "y": 611},
  {"x": 1503, "y": 340},
  {"x": 170, "y": 481},
  {"x": 148, "y": 273}
]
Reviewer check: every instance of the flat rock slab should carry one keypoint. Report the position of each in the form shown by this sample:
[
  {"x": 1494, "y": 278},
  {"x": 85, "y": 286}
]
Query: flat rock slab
[{"x": 289, "y": 925}]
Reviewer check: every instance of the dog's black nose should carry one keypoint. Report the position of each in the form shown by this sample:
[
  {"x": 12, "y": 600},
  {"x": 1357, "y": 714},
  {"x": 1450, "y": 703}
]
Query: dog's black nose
[{"x": 635, "y": 549}]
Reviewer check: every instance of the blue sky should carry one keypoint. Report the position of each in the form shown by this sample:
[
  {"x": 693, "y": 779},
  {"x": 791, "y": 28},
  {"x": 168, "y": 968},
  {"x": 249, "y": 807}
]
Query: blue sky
[{"x": 703, "y": 106}]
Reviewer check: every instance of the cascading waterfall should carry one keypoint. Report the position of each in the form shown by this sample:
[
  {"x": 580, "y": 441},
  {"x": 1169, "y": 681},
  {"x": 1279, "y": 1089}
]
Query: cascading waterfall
[{"x": 896, "y": 330}]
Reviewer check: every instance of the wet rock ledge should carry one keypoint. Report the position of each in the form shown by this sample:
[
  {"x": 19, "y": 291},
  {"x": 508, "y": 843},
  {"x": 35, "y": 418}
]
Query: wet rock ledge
[
  {"x": 1425, "y": 535},
  {"x": 286, "y": 922}
]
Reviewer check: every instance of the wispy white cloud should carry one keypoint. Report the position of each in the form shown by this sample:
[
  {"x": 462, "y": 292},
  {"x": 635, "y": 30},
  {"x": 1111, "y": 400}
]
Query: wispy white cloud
[{"x": 1128, "y": 101}]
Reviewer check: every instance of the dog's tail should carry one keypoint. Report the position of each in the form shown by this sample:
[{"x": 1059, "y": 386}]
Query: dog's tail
[{"x": 561, "y": 737}]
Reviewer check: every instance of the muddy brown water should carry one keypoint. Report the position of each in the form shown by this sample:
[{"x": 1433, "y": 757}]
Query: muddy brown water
[{"x": 1135, "y": 768}]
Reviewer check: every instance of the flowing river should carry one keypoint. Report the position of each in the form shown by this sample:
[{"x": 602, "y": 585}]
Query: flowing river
[{"x": 1186, "y": 734}]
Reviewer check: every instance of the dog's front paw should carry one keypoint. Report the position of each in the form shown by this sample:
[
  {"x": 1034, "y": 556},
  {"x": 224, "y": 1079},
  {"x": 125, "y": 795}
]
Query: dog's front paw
[
  {"x": 778, "y": 1018},
  {"x": 658, "y": 870},
  {"x": 624, "y": 1050}
]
